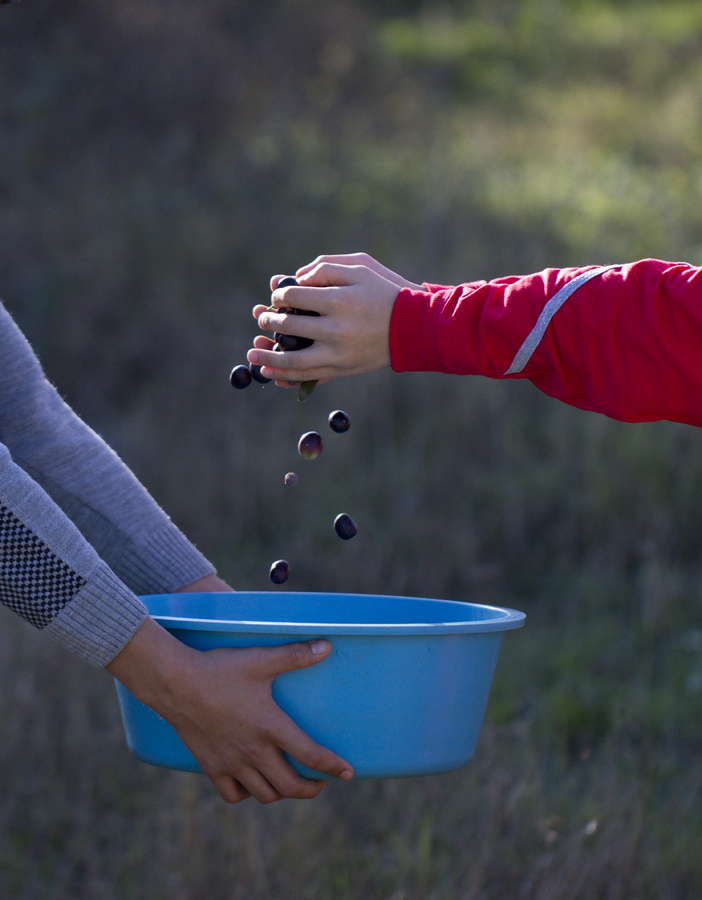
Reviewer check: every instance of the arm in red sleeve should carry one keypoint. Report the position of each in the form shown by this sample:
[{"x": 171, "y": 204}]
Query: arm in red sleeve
[{"x": 625, "y": 341}]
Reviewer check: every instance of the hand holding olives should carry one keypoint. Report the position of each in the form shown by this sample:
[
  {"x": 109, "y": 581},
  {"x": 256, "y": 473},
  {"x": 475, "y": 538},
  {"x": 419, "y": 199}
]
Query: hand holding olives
[{"x": 355, "y": 296}]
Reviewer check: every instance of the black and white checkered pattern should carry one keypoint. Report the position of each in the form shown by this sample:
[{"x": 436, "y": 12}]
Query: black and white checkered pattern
[{"x": 34, "y": 582}]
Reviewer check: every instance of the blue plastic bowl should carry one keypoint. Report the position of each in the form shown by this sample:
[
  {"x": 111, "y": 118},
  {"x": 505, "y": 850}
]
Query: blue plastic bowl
[{"x": 403, "y": 691}]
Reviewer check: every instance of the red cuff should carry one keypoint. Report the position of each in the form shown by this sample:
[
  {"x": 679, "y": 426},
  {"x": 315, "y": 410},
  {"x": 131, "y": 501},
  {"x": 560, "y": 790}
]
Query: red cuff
[
  {"x": 410, "y": 325},
  {"x": 415, "y": 344}
]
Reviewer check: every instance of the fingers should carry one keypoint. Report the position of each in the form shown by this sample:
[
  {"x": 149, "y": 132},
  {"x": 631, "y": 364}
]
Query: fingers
[
  {"x": 281, "y": 775},
  {"x": 288, "y": 370},
  {"x": 291, "y": 786},
  {"x": 273, "y": 362},
  {"x": 291, "y": 739},
  {"x": 325, "y": 275},
  {"x": 268, "y": 776},
  {"x": 312, "y": 327},
  {"x": 263, "y": 343},
  {"x": 330, "y": 274},
  {"x": 317, "y": 362},
  {"x": 342, "y": 259},
  {"x": 229, "y": 789},
  {"x": 351, "y": 260},
  {"x": 243, "y": 740},
  {"x": 279, "y": 782},
  {"x": 301, "y": 747},
  {"x": 263, "y": 772}
]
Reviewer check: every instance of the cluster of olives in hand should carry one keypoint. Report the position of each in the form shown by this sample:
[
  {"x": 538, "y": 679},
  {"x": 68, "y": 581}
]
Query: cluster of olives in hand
[{"x": 241, "y": 376}]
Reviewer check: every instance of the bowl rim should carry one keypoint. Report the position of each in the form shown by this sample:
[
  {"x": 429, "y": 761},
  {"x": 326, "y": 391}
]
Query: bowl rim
[{"x": 503, "y": 618}]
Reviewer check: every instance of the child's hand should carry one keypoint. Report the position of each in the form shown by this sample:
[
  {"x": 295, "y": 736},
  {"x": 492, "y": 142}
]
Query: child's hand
[
  {"x": 220, "y": 703},
  {"x": 354, "y": 296}
]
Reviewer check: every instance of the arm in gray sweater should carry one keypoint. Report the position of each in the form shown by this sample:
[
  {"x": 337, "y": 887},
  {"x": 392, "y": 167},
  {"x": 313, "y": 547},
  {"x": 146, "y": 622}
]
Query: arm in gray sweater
[{"x": 79, "y": 535}]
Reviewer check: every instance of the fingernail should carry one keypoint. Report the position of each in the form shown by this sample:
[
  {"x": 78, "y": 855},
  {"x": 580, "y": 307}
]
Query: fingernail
[
  {"x": 319, "y": 648},
  {"x": 253, "y": 357},
  {"x": 346, "y": 775}
]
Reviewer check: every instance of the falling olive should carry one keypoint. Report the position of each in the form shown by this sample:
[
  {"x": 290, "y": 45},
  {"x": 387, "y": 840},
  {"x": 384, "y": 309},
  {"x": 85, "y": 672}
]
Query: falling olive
[
  {"x": 310, "y": 445},
  {"x": 339, "y": 421},
  {"x": 345, "y": 527},
  {"x": 280, "y": 571}
]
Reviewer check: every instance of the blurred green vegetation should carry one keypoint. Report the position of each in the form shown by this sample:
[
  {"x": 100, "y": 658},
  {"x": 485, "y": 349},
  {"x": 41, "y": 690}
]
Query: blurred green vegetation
[{"x": 161, "y": 160}]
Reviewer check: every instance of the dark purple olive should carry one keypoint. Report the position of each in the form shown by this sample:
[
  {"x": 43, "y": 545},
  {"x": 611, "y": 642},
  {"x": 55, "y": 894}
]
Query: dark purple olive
[
  {"x": 240, "y": 377},
  {"x": 280, "y": 571},
  {"x": 291, "y": 478},
  {"x": 291, "y": 341},
  {"x": 345, "y": 526},
  {"x": 289, "y": 281},
  {"x": 339, "y": 421},
  {"x": 310, "y": 445},
  {"x": 256, "y": 375}
]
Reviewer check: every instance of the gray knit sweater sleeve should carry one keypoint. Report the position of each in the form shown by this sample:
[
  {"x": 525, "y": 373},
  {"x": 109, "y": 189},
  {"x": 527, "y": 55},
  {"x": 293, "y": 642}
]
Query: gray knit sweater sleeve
[{"x": 79, "y": 535}]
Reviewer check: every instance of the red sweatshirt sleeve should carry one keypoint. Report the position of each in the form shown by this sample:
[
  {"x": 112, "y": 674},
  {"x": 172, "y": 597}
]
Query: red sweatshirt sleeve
[{"x": 625, "y": 341}]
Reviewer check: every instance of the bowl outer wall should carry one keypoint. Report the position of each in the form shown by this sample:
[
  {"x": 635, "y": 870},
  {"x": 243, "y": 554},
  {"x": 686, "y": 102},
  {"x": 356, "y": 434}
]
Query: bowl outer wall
[{"x": 392, "y": 705}]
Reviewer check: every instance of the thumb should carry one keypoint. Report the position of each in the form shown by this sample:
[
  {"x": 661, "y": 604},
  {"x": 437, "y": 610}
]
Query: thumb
[{"x": 299, "y": 655}]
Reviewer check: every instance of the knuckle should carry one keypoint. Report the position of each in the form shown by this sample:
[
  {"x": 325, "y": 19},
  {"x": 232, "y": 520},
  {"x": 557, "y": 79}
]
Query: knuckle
[
  {"x": 230, "y": 790},
  {"x": 298, "y": 654},
  {"x": 294, "y": 788},
  {"x": 289, "y": 361},
  {"x": 294, "y": 785},
  {"x": 234, "y": 795},
  {"x": 316, "y": 758},
  {"x": 267, "y": 734}
]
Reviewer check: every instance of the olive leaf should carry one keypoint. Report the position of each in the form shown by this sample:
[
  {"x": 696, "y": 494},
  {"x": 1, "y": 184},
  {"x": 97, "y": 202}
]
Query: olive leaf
[{"x": 306, "y": 389}]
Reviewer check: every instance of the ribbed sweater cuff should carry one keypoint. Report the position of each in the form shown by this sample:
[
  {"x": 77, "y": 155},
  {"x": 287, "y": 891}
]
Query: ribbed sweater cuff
[
  {"x": 102, "y": 617},
  {"x": 162, "y": 562}
]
